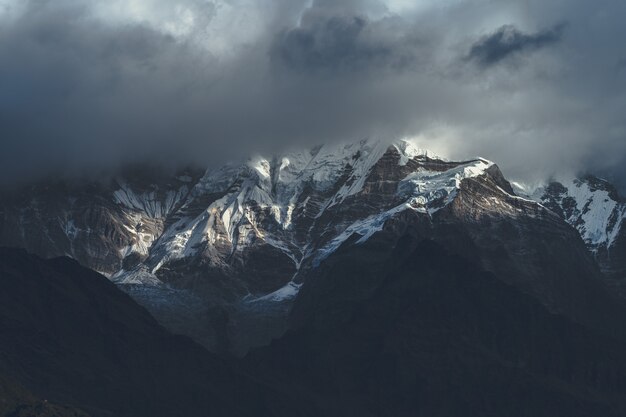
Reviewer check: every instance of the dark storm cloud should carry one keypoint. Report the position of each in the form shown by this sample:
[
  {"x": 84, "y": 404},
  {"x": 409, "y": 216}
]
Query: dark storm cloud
[
  {"x": 88, "y": 86},
  {"x": 508, "y": 41},
  {"x": 336, "y": 44},
  {"x": 73, "y": 90},
  {"x": 79, "y": 93}
]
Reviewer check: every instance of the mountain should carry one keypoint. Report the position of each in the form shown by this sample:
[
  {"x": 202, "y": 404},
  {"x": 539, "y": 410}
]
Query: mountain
[
  {"x": 431, "y": 333},
  {"x": 71, "y": 336},
  {"x": 594, "y": 207},
  {"x": 365, "y": 279},
  {"x": 402, "y": 324},
  {"x": 221, "y": 255},
  {"x": 426, "y": 333},
  {"x": 205, "y": 251}
]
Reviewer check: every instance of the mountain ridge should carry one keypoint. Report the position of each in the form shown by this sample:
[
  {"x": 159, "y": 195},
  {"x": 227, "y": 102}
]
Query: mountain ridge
[{"x": 221, "y": 254}]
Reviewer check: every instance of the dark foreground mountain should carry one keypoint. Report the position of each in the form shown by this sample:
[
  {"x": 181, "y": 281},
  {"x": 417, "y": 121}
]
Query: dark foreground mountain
[
  {"x": 430, "y": 333},
  {"x": 70, "y": 336},
  {"x": 398, "y": 326}
]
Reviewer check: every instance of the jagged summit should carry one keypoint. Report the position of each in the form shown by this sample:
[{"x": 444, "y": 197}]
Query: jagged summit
[{"x": 281, "y": 202}]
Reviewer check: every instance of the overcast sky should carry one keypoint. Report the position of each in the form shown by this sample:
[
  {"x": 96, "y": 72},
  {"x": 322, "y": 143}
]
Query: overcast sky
[{"x": 537, "y": 86}]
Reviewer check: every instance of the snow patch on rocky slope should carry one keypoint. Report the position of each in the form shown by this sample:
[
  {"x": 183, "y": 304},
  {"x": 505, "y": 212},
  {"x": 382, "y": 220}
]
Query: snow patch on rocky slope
[
  {"x": 589, "y": 204},
  {"x": 272, "y": 187}
]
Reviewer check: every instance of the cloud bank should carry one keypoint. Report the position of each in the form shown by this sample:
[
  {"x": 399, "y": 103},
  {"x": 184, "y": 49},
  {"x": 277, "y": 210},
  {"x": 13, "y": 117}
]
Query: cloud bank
[{"x": 89, "y": 86}]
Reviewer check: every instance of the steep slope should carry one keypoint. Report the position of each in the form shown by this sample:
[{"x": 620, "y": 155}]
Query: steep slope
[
  {"x": 402, "y": 325},
  {"x": 69, "y": 335},
  {"x": 594, "y": 207}
]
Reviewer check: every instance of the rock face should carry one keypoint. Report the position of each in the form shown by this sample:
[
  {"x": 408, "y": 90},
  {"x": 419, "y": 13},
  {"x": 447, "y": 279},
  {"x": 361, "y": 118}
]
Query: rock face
[
  {"x": 221, "y": 256},
  {"x": 105, "y": 226},
  {"x": 594, "y": 207}
]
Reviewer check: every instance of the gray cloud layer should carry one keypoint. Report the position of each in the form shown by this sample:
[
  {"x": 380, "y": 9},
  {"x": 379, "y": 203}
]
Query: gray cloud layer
[{"x": 94, "y": 85}]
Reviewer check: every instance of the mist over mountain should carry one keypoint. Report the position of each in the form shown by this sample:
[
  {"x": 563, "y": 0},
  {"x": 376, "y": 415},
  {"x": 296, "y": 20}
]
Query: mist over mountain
[{"x": 91, "y": 86}]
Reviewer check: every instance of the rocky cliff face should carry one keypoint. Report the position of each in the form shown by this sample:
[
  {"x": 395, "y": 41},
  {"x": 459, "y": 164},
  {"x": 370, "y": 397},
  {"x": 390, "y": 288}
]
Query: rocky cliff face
[
  {"x": 221, "y": 256},
  {"x": 106, "y": 226}
]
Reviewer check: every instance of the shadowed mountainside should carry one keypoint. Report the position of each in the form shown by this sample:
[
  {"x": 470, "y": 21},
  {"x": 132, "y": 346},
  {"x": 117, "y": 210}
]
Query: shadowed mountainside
[
  {"x": 430, "y": 333},
  {"x": 71, "y": 336}
]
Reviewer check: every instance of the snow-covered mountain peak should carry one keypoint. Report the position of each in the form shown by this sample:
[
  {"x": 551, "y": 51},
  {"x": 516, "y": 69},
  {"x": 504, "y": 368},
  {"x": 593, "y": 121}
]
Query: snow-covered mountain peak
[
  {"x": 284, "y": 201},
  {"x": 247, "y": 234},
  {"x": 588, "y": 203},
  {"x": 291, "y": 210},
  {"x": 409, "y": 150}
]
